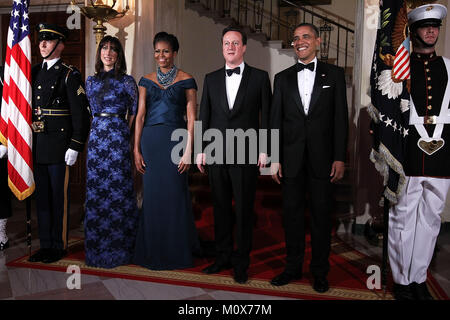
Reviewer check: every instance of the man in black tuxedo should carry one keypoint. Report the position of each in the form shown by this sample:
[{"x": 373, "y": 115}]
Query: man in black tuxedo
[
  {"x": 310, "y": 109},
  {"x": 236, "y": 96}
]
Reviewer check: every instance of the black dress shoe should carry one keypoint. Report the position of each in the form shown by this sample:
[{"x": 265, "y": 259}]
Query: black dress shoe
[
  {"x": 55, "y": 255},
  {"x": 403, "y": 292},
  {"x": 4, "y": 245},
  {"x": 321, "y": 284},
  {"x": 240, "y": 276},
  {"x": 421, "y": 292},
  {"x": 216, "y": 267},
  {"x": 284, "y": 278},
  {"x": 40, "y": 255}
]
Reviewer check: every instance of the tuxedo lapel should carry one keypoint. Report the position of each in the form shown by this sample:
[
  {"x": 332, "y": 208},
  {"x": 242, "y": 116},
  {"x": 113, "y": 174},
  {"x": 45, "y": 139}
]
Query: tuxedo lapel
[
  {"x": 293, "y": 87},
  {"x": 222, "y": 90},
  {"x": 242, "y": 89},
  {"x": 321, "y": 73}
]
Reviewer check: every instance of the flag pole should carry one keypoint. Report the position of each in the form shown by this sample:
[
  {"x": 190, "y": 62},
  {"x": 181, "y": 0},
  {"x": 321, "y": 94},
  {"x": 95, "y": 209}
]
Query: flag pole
[
  {"x": 28, "y": 204},
  {"x": 384, "y": 270}
]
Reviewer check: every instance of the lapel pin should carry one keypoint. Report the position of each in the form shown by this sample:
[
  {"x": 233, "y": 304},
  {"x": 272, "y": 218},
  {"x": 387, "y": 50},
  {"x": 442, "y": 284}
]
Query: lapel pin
[{"x": 323, "y": 74}]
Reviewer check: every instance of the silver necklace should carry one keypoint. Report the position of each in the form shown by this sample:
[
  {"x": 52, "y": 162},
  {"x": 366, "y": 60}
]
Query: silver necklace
[{"x": 166, "y": 79}]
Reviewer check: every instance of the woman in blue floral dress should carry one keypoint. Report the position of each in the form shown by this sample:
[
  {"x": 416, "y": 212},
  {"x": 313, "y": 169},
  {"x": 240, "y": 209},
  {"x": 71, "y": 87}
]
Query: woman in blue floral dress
[{"x": 111, "y": 212}]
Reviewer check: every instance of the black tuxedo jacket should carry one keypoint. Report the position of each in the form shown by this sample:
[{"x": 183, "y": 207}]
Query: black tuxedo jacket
[
  {"x": 250, "y": 110},
  {"x": 323, "y": 132}
]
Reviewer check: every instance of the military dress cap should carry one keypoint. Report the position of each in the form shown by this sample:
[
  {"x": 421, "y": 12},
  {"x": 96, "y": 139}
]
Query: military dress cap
[
  {"x": 427, "y": 15},
  {"x": 51, "y": 32}
]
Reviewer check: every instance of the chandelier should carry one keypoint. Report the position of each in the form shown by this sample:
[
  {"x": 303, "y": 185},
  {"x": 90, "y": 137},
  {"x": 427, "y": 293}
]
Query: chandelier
[{"x": 101, "y": 11}]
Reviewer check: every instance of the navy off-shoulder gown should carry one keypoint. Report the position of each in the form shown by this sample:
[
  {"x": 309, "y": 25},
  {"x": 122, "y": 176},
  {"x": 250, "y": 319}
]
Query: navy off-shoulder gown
[{"x": 167, "y": 235}]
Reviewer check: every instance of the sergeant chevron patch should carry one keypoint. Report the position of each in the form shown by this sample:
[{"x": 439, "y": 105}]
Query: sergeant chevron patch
[{"x": 81, "y": 91}]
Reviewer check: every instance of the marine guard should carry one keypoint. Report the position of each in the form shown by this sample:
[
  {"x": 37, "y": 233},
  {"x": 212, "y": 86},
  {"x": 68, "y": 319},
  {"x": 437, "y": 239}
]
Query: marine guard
[{"x": 414, "y": 223}]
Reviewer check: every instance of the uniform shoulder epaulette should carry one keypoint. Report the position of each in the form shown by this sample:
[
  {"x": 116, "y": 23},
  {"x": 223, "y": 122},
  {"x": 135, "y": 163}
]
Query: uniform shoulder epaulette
[
  {"x": 71, "y": 69},
  {"x": 68, "y": 66}
]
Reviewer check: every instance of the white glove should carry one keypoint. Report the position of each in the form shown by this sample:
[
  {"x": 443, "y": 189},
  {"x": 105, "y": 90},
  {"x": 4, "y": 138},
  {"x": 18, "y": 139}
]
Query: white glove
[
  {"x": 3, "y": 151},
  {"x": 71, "y": 157}
]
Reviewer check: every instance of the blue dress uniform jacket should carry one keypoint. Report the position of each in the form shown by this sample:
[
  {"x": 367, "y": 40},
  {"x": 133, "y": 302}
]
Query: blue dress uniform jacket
[
  {"x": 59, "y": 100},
  {"x": 429, "y": 80}
]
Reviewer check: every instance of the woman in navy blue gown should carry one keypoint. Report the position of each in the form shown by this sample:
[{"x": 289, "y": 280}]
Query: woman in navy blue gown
[
  {"x": 167, "y": 235},
  {"x": 111, "y": 213}
]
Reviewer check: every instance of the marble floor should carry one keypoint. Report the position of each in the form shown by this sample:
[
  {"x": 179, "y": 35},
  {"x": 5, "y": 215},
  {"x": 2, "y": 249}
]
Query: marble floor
[{"x": 31, "y": 284}]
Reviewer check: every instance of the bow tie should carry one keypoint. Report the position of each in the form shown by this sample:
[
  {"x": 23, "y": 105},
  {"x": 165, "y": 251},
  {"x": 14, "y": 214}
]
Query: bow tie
[
  {"x": 301, "y": 66},
  {"x": 231, "y": 71}
]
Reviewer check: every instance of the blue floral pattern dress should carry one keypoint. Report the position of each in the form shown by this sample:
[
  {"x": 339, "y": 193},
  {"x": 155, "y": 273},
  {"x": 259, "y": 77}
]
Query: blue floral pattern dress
[{"x": 111, "y": 212}]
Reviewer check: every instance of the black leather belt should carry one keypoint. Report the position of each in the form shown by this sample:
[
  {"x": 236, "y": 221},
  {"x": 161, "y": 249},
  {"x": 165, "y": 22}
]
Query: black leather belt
[{"x": 110, "y": 115}]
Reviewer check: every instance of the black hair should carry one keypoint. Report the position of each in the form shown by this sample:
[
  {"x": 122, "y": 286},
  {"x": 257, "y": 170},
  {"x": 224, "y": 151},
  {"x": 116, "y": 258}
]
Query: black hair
[
  {"x": 120, "y": 67},
  {"x": 310, "y": 25},
  {"x": 236, "y": 29},
  {"x": 169, "y": 38}
]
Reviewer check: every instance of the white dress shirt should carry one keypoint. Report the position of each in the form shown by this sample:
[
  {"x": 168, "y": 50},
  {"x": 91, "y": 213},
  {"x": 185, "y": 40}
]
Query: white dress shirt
[
  {"x": 232, "y": 84},
  {"x": 305, "y": 81},
  {"x": 50, "y": 63}
]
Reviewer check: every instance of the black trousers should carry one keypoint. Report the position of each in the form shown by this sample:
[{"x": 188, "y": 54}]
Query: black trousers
[
  {"x": 5, "y": 192},
  {"x": 52, "y": 204},
  {"x": 294, "y": 191},
  {"x": 230, "y": 182}
]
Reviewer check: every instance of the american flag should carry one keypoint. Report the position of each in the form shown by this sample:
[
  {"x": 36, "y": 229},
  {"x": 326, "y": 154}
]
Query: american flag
[
  {"x": 390, "y": 121},
  {"x": 16, "y": 112},
  {"x": 401, "y": 69}
]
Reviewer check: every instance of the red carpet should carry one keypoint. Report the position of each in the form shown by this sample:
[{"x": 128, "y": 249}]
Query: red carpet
[{"x": 347, "y": 276}]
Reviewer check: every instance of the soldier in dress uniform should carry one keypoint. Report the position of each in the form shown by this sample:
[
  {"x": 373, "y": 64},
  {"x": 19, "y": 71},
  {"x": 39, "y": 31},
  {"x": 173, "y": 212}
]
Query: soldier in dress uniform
[
  {"x": 61, "y": 120},
  {"x": 414, "y": 223}
]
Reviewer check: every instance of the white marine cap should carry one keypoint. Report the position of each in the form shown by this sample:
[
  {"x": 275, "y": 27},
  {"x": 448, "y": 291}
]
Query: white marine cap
[{"x": 431, "y": 13}]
